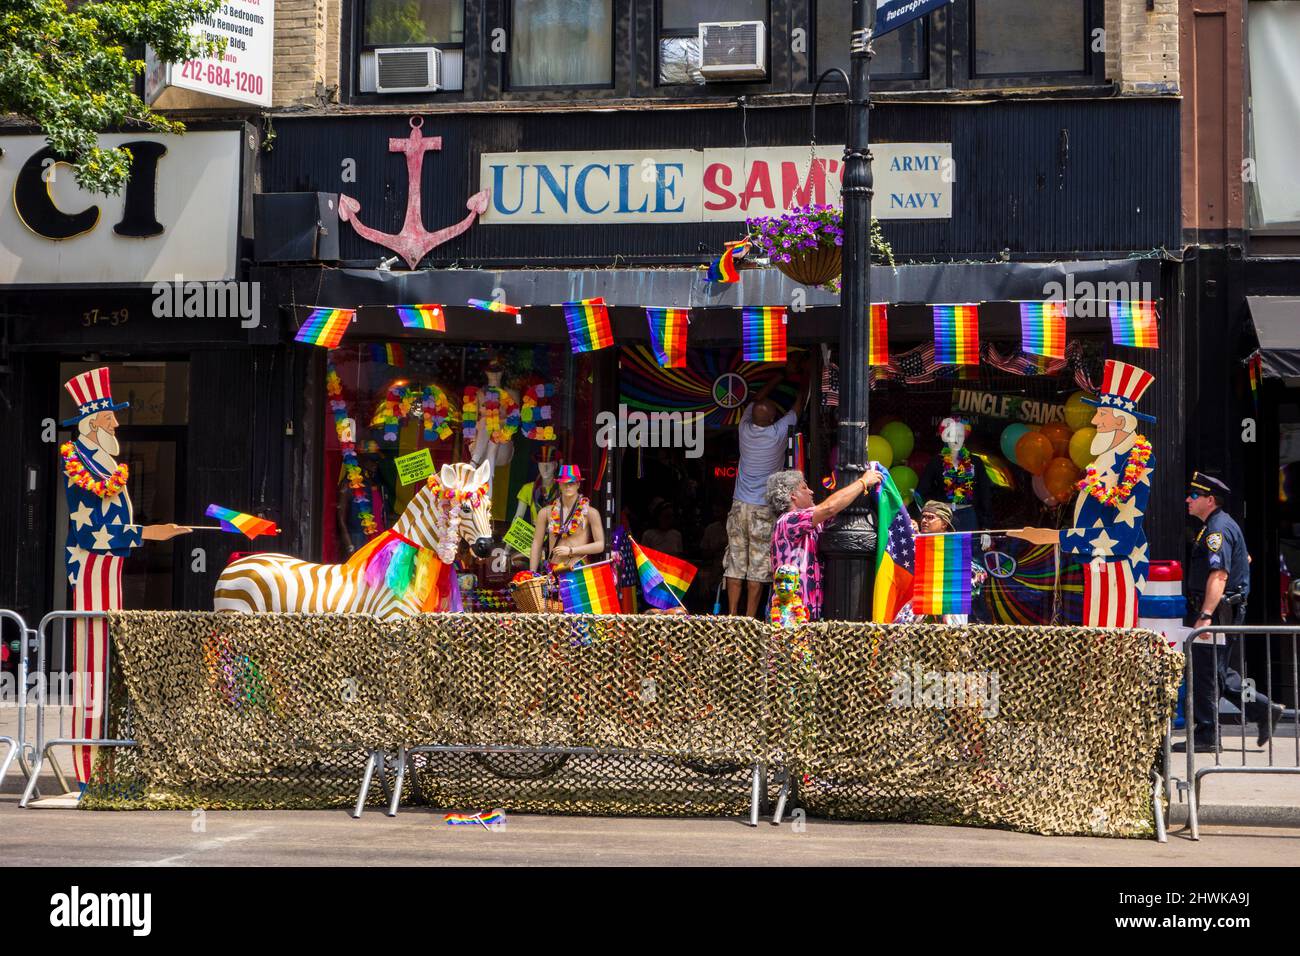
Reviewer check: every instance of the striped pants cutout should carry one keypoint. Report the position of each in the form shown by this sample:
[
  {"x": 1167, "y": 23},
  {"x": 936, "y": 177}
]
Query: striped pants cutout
[
  {"x": 98, "y": 588},
  {"x": 1109, "y": 595}
]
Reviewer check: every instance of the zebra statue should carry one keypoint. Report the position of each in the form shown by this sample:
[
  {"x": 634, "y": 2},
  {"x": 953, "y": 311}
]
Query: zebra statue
[{"x": 402, "y": 571}]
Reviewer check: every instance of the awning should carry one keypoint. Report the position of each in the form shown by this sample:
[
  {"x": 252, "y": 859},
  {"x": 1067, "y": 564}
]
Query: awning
[{"x": 1277, "y": 325}]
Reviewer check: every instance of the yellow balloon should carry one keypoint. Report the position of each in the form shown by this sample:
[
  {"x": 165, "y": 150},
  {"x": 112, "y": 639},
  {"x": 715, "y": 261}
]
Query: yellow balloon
[
  {"x": 1081, "y": 445},
  {"x": 879, "y": 449},
  {"x": 1078, "y": 413}
]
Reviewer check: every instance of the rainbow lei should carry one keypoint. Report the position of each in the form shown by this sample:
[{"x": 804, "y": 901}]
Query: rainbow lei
[
  {"x": 403, "y": 400},
  {"x": 959, "y": 476},
  {"x": 109, "y": 487},
  {"x": 535, "y": 416},
  {"x": 351, "y": 467},
  {"x": 577, "y": 517},
  {"x": 494, "y": 401},
  {"x": 1135, "y": 468}
]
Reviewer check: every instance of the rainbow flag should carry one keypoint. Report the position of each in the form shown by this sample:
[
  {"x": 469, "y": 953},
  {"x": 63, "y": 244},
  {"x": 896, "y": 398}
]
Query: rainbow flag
[
  {"x": 474, "y": 819},
  {"x": 391, "y": 354},
  {"x": 763, "y": 333},
  {"x": 237, "y": 522},
  {"x": 1256, "y": 373},
  {"x": 492, "y": 305},
  {"x": 1134, "y": 324},
  {"x": 1042, "y": 329},
  {"x": 956, "y": 335},
  {"x": 427, "y": 317},
  {"x": 723, "y": 269},
  {"x": 895, "y": 561},
  {"x": 590, "y": 590},
  {"x": 942, "y": 581},
  {"x": 664, "y": 579},
  {"x": 325, "y": 327},
  {"x": 668, "y": 335},
  {"x": 879, "y": 354},
  {"x": 588, "y": 322}
]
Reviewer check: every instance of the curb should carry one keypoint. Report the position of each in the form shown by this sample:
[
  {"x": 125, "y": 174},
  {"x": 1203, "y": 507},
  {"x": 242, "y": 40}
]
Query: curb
[{"x": 1237, "y": 814}]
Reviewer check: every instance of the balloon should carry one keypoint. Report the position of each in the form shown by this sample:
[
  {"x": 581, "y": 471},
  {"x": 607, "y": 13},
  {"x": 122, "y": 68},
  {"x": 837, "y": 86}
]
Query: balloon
[
  {"x": 1040, "y": 489},
  {"x": 1059, "y": 479},
  {"x": 1058, "y": 433},
  {"x": 1077, "y": 412},
  {"x": 1010, "y": 435},
  {"x": 906, "y": 480},
  {"x": 1081, "y": 446},
  {"x": 1033, "y": 452},
  {"x": 880, "y": 450},
  {"x": 900, "y": 439},
  {"x": 999, "y": 471}
]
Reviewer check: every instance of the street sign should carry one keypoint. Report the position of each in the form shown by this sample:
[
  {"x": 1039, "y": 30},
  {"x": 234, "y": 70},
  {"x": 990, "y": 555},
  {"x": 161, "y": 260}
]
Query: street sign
[{"x": 892, "y": 14}]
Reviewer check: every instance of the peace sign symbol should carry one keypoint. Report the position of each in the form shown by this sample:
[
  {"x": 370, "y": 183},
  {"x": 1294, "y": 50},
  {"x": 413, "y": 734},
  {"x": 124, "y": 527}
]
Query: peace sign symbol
[
  {"x": 730, "y": 390},
  {"x": 999, "y": 564}
]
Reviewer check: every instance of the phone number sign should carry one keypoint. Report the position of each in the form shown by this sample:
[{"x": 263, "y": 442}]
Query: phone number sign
[{"x": 244, "y": 72}]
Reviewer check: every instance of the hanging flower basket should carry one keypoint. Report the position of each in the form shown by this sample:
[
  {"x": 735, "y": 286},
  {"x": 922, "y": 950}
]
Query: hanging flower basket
[
  {"x": 814, "y": 266},
  {"x": 807, "y": 242}
]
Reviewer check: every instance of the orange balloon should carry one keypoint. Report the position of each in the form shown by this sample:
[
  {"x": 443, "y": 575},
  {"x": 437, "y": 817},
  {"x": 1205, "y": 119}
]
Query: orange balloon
[
  {"x": 1058, "y": 433},
  {"x": 1033, "y": 452},
  {"x": 1060, "y": 477}
]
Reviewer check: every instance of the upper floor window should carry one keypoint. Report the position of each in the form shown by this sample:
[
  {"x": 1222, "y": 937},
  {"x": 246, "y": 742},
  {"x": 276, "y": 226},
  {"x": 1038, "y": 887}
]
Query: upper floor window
[
  {"x": 903, "y": 53},
  {"x": 1274, "y": 101},
  {"x": 561, "y": 43},
  {"x": 1018, "y": 37},
  {"x": 413, "y": 22},
  {"x": 679, "y": 31}
]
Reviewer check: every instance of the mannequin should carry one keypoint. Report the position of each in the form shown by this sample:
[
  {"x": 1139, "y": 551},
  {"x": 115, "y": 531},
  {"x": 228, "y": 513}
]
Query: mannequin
[
  {"x": 578, "y": 533},
  {"x": 958, "y": 478},
  {"x": 483, "y": 447},
  {"x": 542, "y": 490}
]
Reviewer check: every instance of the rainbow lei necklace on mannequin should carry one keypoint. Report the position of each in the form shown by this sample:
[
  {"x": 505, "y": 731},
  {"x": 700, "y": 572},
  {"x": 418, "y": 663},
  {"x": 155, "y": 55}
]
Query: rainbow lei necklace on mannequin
[
  {"x": 351, "y": 466},
  {"x": 575, "y": 520},
  {"x": 1133, "y": 471},
  {"x": 496, "y": 408},
  {"x": 959, "y": 476},
  {"x": 109, "y": 487}
]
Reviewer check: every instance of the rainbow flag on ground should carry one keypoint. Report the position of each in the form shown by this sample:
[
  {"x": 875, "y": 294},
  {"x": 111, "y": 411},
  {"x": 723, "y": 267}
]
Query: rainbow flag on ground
[
  {"x": 1042, "y": 329},
  {"x": 428, "y": 317},
  {"x": 590, "y": 590},
  {"x": 668, "y": 335},
  {"x": 956, "y": 335},
  {"x": 942, "y": 580},
  {"x": 390, "y": 354},
  {"x": 1134, "y": 324},
  {"x": 723, "y": 269},
  {"x": 879, "y": 337},
  {"x": 237, "y": 522},
  {"x": 325, "y": 327},
  {"x": 492, "y": 305},
  {"x": 763, "y": 333},
  {"x": 664, "y": 579},
  {"x": 474, "y": 819},
  {"x": 588, "y": 322},
  {"x": 895, "y": 561}
]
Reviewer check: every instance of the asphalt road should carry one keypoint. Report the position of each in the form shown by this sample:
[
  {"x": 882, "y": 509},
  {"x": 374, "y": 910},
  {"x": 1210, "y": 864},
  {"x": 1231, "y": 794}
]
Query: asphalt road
[{"x": 37, "y": 837}]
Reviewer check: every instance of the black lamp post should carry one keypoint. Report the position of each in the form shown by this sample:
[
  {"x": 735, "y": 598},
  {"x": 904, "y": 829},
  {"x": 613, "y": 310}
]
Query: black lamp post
[{"x": 847, "y": 548}]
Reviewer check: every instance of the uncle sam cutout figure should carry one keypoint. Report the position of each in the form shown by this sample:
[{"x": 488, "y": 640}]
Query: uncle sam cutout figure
[
  {"x": 100, "y": 535},
  {"x": 1113, "y": 496}
]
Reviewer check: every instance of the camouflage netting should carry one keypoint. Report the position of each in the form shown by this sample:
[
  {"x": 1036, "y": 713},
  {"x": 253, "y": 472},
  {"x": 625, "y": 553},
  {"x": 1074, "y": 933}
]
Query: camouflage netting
[{"x": 1050, "y": 730}]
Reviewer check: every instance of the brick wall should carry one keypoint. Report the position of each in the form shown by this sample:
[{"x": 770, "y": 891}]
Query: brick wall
[
  {"x": 1142, "y": 45},
  {"x": 306, "y": 51}
]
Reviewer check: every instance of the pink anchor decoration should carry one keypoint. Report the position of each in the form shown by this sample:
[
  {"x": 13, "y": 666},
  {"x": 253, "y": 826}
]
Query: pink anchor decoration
[{"x": 414, "y": 242}]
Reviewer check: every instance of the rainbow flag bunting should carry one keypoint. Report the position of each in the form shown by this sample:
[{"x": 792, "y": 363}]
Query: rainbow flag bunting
[
  {"x": 325, "y": 327},
  {"x": 723, "y": 269},
  {"x": 1256, "y": 373},
  {"x": 668, "y": 335},
  {"x": 237, "y": 522},
  {"x": 474, "y": 819},
  {"x": 492, "y": 305},
  {"x": 427, "y": 317},
  {"x": 664, "y": 579},
  {"x": 956, "y": 335},
  {"x": 763, "y": 333},
  {"x": 879, "y": 351},
  {"x": 588, "y": 322},
  {"x": 391, "y": 354},
  {"x": 1042, "y": 329},
  {"x": 590, "y": 590},
  {"x": 1134, "y": 324},
  {"x": 942, "y": 580}
]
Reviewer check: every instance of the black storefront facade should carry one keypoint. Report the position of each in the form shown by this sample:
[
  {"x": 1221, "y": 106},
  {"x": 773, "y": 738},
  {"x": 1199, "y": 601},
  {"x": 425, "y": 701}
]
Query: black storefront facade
[{"x": 1048, "y": 198}]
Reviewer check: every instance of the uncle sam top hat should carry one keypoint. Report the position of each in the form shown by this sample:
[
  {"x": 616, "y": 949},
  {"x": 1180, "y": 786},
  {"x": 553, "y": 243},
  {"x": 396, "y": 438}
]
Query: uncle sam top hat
[
  {"x": 1121, "y": 387},
  {"x": 93, "y": 394}
]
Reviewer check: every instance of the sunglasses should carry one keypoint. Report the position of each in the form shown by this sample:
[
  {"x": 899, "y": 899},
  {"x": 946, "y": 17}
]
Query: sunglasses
[{"x": 1194, "y": 495}]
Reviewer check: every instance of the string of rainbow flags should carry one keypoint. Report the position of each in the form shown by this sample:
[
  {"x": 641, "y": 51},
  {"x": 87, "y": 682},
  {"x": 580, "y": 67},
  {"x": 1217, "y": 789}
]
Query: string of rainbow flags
[{"x": 763, "y": 328}]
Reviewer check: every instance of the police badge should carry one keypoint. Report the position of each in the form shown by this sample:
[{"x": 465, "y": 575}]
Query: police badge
[{"x": 1213, "y": 542}]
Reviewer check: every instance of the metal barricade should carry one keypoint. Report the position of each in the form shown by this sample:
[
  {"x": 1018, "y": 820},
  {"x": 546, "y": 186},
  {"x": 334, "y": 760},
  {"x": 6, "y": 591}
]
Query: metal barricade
[
  {"x": 17, "y": 746},
  {"x": 41, "y": 752},
  {"x": 1237, "y": 657}
]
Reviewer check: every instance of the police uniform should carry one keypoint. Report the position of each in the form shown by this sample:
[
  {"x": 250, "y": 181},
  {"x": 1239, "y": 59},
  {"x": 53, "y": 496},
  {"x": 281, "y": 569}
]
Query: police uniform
[{"x": 1220, "y": 546}]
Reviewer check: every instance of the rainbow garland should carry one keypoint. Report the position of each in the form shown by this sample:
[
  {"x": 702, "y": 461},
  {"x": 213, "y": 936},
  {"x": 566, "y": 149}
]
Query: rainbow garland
[
  {"x": 879, "y": 350},
  {"x": 428, "y": 317},
  {"x": 763, "y": 333},
  {"x": 668, "y": 335},
  {"x": 1135, "y": 324},
  {"x": 492, "y": 401},
  {"x": 402, "y": 401},
  {"x": 956, "y": 335},
  {"x": 942, "y": 581},
  {"x": 492, "y": 305},
  {"x": 351, "y": 467},
  {"x": 535, "y": 415},
  {"x": 1092, "y": 484},
  {"x": 325, "y": 327},
  {"x": 958, "y": 476},
  {"x": 1042, "y": 329},
  {"x": 588, "y": 322}
]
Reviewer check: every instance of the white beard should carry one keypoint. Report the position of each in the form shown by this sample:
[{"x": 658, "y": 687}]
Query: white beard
[
  {"x": 1102, "y": 442},
  {"x": 107, "y": 442}
]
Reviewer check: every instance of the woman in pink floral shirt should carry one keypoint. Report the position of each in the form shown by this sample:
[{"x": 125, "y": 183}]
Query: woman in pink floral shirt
[{"x": 800, "y": 523}]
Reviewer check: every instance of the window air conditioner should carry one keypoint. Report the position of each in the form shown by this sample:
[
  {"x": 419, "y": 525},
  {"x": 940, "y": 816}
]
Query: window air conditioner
[
  {"x": 408, "y": 70},
  {"x": 733, "y": 51}
]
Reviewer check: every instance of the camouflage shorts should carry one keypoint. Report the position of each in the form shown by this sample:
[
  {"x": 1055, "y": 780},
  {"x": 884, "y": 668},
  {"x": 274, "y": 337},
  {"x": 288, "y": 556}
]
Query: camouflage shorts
[{"x": 749, "y": 543}]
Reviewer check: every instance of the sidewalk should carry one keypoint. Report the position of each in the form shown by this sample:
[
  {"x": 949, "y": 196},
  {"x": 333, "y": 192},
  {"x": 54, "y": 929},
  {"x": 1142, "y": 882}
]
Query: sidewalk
[{"x": 1243, "y": 799}]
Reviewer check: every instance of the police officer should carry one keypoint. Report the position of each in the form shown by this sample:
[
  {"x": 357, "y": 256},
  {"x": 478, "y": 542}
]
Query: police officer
[{"x": 1218, "y": 584}]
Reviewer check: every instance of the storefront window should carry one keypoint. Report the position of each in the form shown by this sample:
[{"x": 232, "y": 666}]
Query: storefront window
[
  {"x": 561, "y": 43},
  {"x": 414, "y": 22},
  {"x": 1274, "y": 102}
]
